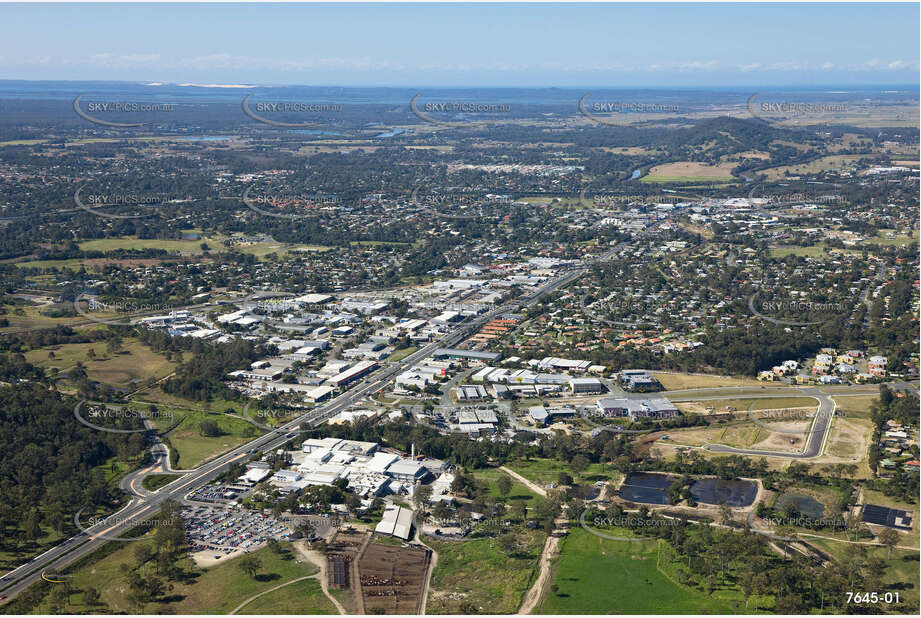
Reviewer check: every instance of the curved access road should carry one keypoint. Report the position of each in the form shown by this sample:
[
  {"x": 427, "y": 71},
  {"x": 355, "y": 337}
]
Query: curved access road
[{"x": 815, "y": 440}]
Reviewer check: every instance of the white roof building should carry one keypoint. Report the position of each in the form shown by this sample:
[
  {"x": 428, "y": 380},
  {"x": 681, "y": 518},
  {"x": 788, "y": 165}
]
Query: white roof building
[
  {"x": 397, "y": 522},
  {"x": 381, "y": 461}
]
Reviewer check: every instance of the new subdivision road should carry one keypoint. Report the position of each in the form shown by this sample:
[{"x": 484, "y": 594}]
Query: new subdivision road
[
  {"x": 815, "y": 441},
  {"x": 145, "y": 505}
]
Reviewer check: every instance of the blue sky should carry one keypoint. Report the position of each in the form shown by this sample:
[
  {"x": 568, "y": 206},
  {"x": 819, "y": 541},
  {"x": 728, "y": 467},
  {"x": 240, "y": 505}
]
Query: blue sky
[{"x": 656, "y": 45}]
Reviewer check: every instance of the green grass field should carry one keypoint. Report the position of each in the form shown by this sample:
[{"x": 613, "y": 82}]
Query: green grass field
[
  {"x": 132, "y": 242},
  {"x": 899, "y": 240},
  {"x": 154, "y": 482},
  {"x": 478, "y": 572},
  {"x": 215, "y": 590},
  {"x": 193, "y": 246},
  {"x": 519, "y": 492},
  {"x": 194, "y": 449},
  {"x": 401, "y": 354},
  {"x": 600, "y": 576},
  {"x": 544, "y": 471},
  {"x": 855, "y": 406},
  {"x": 132, "y": 365},
  {"x": 30, "y": 317},
  {"x": 303, "y": 597}
]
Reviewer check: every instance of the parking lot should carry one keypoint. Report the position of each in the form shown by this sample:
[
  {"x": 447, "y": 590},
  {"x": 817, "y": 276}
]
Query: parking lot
[
  {"x": 219, "y": 494},
  {"x": 226, "y": 531}
]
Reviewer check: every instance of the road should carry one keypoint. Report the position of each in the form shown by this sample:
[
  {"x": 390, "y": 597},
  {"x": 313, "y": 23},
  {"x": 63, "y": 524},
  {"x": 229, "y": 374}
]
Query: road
[
  {"x": 144, "y": 505},
  {"x": 815, "y": 441}
]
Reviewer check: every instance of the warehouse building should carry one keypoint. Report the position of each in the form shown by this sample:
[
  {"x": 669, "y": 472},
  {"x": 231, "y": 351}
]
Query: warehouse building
[
  {"x": 397, "y": 522},
  {"x": 586, "y": 385}
]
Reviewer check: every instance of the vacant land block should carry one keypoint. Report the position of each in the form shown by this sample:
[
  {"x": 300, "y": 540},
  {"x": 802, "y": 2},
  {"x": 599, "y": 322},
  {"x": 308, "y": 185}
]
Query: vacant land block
[{"x": 600, "y": 576}]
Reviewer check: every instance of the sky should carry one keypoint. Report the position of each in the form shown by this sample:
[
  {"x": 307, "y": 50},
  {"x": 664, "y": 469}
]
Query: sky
[{"x": 518, "y": 45}]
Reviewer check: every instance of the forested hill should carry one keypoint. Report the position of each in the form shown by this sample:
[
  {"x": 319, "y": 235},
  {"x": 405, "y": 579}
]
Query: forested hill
[{"x": 51, "y": 466}]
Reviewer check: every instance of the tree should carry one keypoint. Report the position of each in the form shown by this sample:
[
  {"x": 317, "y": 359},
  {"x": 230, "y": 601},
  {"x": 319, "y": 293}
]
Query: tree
[
  {"x": 889, "y": 538},
  {"x": 422, "y": 495},
  {"x": 209, "y": 429},
  {"x": 143, "y": 553},
  {"x": 504, "y": 483},
  {"x": 31, "y": 528},
  {"x": 564, "y": 479},
  {"x": 508, "y": 543},
  {"x": 250, "y": 565},
  {"x": 441, "y": 511},
  {"x": 725, "y": 514},
  {"x": 90, "y": 596},
  {"x": 305, "y": 528},
  {"x": 579, "y": 464},
  {"x": 153, "y": 588}
]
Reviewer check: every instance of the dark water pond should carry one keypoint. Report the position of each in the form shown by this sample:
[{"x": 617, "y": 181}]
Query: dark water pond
[
  {"x": 715, "y": 491},
  {"x": 647, "y": 488},
  {"x": 653, "y": 489},
  {"x": 806, "y": 505}
]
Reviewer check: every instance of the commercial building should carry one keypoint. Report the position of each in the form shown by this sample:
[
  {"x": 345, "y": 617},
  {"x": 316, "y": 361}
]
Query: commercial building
[
  {"x": 397, "y": 522},
  {"x": 658, "y": 407},
  {"x": 637, "y": 380},
  {"x": 358, "y": 370},
  {"x": 540, "y": 414},
  {"x": 586, "y": 385},
  {"x": 490, "y": 357},
  {"x": 321, "y": 393}
]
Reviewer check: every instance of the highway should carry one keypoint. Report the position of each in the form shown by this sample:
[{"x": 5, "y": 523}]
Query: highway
[{"x": 144, "y": 505}]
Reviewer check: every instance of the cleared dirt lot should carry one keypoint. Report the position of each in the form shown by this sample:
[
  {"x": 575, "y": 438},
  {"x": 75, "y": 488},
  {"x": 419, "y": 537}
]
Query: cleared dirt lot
[
  {"x": 746, "y": 435},
  {"x": 392, "y": 579},
  {"x": 783, "y": 442},
  {"x": 849, "y": 440}
]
